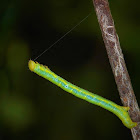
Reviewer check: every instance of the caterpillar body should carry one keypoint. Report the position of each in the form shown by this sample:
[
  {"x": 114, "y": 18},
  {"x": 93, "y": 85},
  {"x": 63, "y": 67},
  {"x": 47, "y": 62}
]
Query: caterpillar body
[{"x": 119, "y": 111}]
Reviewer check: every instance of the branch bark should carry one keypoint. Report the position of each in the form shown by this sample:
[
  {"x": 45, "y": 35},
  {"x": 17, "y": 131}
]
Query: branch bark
[{"x": 117, "y": 62}]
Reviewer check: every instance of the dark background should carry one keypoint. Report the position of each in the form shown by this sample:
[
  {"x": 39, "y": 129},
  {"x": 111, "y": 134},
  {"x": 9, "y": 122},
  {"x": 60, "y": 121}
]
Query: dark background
[{"x": 32, "y": 108}]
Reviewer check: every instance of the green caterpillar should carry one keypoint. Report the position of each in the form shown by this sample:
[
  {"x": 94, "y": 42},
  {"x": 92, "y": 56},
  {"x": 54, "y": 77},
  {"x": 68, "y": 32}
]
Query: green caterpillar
[{"x": 120, "y": 111}]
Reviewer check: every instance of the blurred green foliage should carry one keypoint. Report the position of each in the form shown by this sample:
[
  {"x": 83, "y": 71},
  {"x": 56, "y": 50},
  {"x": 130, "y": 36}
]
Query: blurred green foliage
[{"x": 33, "y": 108}]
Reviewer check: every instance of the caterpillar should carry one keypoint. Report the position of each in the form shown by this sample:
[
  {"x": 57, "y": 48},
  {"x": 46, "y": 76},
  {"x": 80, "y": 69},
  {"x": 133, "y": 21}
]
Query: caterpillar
[{"x": 120, "y": 111}]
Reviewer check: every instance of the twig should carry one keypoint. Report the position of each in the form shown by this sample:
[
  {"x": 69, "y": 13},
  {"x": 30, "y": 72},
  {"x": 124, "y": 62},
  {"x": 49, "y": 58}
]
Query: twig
[{"x": 117, "y": 62}]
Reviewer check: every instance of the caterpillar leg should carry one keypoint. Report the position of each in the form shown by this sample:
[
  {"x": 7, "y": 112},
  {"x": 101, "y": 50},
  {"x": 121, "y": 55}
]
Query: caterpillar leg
[{"x": 126, "y": 108}]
